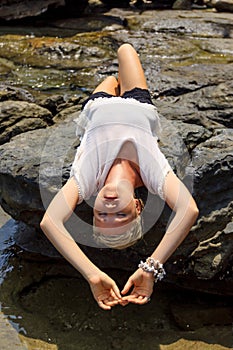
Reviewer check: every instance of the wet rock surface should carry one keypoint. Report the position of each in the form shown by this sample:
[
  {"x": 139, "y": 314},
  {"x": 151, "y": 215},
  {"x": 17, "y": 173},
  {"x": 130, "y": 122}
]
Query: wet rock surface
[
  {"x": 29, "y": 10},
  {"x": 12, "y": 10},
  {"x": 187, "y": 58}
]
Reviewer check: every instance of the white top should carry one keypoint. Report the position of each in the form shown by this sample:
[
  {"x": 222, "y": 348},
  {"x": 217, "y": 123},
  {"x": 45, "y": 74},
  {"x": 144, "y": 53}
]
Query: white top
[{"x": 105, "y": 125}]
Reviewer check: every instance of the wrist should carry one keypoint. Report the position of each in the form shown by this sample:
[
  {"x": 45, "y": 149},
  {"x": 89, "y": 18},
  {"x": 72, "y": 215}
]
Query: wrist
[
  {"x": 93, "y": 276},
  {"x": 145, "y": 274},
  {"x": 154, "y": 268}
]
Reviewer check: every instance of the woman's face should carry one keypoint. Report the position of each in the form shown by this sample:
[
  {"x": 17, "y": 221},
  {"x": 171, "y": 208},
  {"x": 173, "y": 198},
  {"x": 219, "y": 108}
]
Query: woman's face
[{"x": 115, "y": 206}]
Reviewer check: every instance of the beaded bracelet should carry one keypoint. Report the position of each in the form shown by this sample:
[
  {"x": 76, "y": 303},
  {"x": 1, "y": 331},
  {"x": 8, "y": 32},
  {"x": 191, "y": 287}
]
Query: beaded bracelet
[{"x": 153, "y": 266}]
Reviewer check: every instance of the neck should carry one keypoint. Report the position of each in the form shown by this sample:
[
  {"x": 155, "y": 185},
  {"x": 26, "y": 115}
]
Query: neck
[{"x": 123, "y": 169}]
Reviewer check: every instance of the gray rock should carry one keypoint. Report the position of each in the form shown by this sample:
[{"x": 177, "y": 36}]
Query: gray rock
[
  {"x": 8, "y": 92},
  {"x": 9, "y": 336},
  {"x": 11, "y": 9},
  {"x": 213, "y": 159},
  {"x": 59, "y": 104},
  {"x": 210, "y": 106},
  {"x": 17, "y": 117},
  {"x": 20, "y": 179},
  {"x": 224, "y": 5},
  {"x": 182, "y": 5}
]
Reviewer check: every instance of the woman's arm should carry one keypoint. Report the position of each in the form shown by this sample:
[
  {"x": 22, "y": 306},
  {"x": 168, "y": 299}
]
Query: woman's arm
[
  {"x": 103, "y": 287},
  {"x": 58, "y": 212},
  {"x": 181, "y": 202}
]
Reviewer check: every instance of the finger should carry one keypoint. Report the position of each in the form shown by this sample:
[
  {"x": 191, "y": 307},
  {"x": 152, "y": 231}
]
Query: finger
[
  {"x": 123, "y": 302},
  {"x": 132, "y": 295},
  {"x": 116, "y": 291},
  {"x": 143, "y": 300},
  {"x": 136, "y": 299},
  {"x": 127, "y": 286},
  {"x": 111, "y": 302},
  {"x": 129, "y": 298},
  {"x": 113, "y": 296},
  {"x": 140, "y": 300},
  {"x": 103, "y": 306}
]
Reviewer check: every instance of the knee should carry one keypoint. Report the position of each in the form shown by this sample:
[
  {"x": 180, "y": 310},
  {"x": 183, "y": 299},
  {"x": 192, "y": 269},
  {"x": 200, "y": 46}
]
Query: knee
[
  {"x": 125, "y": 48},
  {"x": 111, "y": 79}
]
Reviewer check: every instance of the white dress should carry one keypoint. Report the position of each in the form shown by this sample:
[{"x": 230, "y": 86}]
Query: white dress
[{"x": 104, "y": 126}]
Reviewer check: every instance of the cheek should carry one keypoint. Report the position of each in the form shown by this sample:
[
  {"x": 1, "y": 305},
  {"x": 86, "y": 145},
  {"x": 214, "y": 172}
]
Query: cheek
[
  {"x": 98, "y": 205},
  {"x": 131, "y": 209},
  {"x": 129, "y": 201}
]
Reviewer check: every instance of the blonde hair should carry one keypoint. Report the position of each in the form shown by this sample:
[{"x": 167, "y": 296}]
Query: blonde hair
[{"x": 121, "y": 241}]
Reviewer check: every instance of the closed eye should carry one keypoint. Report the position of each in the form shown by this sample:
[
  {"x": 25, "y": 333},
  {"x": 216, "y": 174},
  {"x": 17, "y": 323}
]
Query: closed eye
[
  {"x": 121, "y": 215},
  {"x": 102, "y": 214}
]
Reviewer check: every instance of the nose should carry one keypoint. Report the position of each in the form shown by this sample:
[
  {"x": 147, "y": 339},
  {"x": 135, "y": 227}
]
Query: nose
[{"x": 110, "y": 205}]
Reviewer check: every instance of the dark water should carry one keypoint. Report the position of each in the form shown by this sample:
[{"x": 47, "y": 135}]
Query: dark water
[{"x": 50, "y": 308}]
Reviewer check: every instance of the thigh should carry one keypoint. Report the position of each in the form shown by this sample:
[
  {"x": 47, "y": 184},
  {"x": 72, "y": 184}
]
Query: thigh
[
  {"x": 109, "y": 85},
  {"x": 131, "y": 74}
]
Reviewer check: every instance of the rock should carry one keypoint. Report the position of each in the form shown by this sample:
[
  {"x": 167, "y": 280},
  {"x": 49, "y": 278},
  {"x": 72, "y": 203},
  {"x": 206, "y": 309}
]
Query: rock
[
  {"x": 37, "y": 55},
  {"x": 219, "y": 249},
  {"x": 26, "y": 205},
  {"x": 182, "y": 5},
  {"x": 183, "y": 344},
  {"x": 192, "y": 134},
  {"x": 11, "y": 10},
  {"x": 188, "y": 64},
  {"x": 13, "y": 93},
  {"x": 36, "y": 343},
  {"x": 209, "y": 106},
  {"x": 28, "y": 191},
  {"x": 18, "y": 117},
  {"x": 213, "y": 159},
  {"x": 62, "y": 116},
  {"x": 95, "y": 22},
  {"x": 115, "y": 2},
  {"x": 223, "y": 5},
  {"x": 59, "y": 103},
  {"x": 9, "y": 336}
]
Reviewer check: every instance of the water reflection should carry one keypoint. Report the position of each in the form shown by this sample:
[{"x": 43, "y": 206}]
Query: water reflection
[{"x": 6, "y": 242}]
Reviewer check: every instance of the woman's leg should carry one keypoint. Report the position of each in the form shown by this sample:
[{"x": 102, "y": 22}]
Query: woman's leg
[
  {"x": 131, "y": 73},
  {"x": 109, "y": 85}
]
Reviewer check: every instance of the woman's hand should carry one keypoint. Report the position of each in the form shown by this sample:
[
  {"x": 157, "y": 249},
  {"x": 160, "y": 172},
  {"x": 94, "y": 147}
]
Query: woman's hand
[
  {"x": 105, "y": 290},
  {"x": 142, "y": 283}
]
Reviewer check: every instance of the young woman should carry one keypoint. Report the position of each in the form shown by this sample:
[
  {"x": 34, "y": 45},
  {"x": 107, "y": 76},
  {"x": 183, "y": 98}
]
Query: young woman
[{"x": 119, "y": 153}]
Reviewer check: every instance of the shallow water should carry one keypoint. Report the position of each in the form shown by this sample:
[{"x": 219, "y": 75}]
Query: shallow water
[{"x": 51, "y": 309}]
